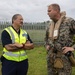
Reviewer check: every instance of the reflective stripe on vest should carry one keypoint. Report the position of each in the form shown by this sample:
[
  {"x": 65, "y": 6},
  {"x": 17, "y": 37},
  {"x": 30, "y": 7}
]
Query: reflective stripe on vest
[
  {"x": 12, "y": 35},
  {"x": 16, "y": 55},
  {"x": 19, "y": 55}
]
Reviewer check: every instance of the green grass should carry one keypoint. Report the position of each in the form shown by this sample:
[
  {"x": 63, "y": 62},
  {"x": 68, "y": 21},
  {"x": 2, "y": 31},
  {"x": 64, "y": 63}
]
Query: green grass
[{"x": 37, "y": 61}]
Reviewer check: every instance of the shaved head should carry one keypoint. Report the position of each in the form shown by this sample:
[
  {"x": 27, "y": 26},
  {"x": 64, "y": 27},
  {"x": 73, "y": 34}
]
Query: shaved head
[{"x": 55, "y": 7}]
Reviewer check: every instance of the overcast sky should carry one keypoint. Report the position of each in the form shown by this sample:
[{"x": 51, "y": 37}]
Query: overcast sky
[{"x": 33, "y": 10}]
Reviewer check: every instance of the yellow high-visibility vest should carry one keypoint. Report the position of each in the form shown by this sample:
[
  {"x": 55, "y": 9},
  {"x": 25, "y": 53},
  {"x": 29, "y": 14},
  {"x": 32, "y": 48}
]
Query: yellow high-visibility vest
[{"x": 19, "y": 55}]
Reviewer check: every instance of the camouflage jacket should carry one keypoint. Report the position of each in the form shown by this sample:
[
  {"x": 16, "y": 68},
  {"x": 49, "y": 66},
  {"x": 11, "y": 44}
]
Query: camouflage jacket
[{"x": 65, "y": 37}]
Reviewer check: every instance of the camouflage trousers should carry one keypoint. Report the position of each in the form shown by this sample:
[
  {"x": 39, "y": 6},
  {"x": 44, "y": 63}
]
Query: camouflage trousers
[{"x": 66, "y": 70}]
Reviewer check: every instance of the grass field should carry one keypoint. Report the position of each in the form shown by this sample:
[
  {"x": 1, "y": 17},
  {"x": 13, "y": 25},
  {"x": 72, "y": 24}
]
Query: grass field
[{"x": 37, "y": 61}]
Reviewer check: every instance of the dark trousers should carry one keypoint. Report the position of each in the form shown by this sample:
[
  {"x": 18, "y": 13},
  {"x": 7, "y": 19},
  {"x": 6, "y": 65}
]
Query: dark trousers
[{"x": 14, "y": 68}]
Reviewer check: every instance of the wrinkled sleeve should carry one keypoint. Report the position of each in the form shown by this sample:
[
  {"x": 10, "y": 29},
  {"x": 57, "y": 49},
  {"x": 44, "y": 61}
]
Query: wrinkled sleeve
[
  {"x": 5, "y": 38},
  {"x": 29, "y": 39},
  {"x": 46, "y": 36},
  {"x": 48, "y": 41},
  {"x": 74, "y": 42},
  {"x": 72, "y": 28}
]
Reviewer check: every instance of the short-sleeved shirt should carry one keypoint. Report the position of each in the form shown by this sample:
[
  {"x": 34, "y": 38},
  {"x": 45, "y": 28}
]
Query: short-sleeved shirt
[{"x": 5, "y": 37}]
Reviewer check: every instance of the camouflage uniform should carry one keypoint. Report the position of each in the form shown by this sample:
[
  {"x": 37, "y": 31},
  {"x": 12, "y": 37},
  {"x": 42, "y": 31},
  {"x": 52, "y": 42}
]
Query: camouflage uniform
[{"x": 66, "y": 33}]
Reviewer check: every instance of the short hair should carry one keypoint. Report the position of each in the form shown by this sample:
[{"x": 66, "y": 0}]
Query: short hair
[
  {"x": 15, "y": 17},
  {"x": 55, "y": 6}
]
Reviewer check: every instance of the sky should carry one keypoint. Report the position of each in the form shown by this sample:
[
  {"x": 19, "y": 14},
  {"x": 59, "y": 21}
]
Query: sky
[{"x": 33, "y": 10}]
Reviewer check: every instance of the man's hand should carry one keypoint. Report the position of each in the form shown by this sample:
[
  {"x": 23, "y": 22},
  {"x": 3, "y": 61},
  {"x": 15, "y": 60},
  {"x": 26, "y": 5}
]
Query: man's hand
[
  {"x": 66, "y": 49},
  {"x": 28, "y": 45},
  {"x": 47, "y": 47},
  {"x": 18, "y": 45}
]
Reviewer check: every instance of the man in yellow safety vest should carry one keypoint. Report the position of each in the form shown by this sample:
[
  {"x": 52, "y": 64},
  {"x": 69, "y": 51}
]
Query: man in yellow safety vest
[{"x": 15, "y": 42}]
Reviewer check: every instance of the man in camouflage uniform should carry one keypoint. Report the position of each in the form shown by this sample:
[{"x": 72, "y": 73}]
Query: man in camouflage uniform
[{"x": 59, "y": 40}]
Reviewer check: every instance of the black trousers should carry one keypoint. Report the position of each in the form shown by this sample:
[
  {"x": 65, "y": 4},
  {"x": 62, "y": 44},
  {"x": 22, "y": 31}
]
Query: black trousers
[{"x": 14, "y": 68}]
